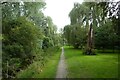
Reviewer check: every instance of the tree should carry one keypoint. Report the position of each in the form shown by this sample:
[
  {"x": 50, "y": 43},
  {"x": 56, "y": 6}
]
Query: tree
[
  {"x": 75, "y": 35},
  {"x": 106, "y": 36}
]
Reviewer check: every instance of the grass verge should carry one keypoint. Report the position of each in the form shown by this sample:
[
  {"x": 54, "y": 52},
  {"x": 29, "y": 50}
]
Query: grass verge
[
  {"x": 91, "y": 66},
  {"x": 35, "y": 70}
]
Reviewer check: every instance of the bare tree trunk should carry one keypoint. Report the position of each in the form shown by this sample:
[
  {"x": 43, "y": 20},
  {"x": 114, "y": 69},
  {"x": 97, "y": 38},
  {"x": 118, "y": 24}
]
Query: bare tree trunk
[{"x": 90, "y": 41}]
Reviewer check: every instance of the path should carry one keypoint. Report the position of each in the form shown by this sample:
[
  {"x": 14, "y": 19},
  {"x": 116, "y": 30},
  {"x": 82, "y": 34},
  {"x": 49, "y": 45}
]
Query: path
[{"x": 61, "y": 71}]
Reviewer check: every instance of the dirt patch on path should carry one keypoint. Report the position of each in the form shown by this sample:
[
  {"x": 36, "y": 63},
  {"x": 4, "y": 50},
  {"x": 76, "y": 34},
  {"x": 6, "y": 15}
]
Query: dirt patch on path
[{"x": 62, "y": 69}]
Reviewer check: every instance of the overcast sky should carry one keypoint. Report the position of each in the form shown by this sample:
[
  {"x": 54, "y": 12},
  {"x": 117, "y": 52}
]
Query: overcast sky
[{"x": 58, "y": 10}]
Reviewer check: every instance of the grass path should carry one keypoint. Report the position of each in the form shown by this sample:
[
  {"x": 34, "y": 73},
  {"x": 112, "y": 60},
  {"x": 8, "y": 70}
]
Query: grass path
[{"x": 62, "y": 69}]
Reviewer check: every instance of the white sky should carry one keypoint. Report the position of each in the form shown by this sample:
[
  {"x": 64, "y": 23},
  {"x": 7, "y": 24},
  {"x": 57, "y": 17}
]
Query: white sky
[{"x": 58, "y": 10}]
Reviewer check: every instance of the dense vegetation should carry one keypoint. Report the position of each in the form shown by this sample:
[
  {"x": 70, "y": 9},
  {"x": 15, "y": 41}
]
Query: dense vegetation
[
  {"x": 94, "y": 25},
  {"x": 27, "y": 36}
]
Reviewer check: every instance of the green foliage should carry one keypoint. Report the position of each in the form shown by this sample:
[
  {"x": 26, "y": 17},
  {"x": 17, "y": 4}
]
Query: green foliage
[
  {"x": 20, "y": 39},
  {"x": 12, "y": 10},
  {"x": 75, "y": 35},
  {"x": 46, "y": 43},
  {"x": 106, "y": 37},
  {"x": 77, "y": 13}
]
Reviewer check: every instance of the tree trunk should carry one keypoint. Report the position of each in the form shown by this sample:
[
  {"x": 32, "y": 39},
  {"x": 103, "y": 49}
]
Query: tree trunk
[{"x": 90, "y": 41}]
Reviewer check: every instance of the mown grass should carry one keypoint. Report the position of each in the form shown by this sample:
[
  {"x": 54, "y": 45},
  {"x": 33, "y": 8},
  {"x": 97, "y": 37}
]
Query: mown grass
[
  {"x": 91, "y": 66},
  {"x": 35, "y": 70}
]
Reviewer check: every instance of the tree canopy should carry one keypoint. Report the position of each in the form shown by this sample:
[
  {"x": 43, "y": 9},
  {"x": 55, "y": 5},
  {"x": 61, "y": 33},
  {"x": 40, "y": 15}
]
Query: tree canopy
[{"x": 94, "y": 23}]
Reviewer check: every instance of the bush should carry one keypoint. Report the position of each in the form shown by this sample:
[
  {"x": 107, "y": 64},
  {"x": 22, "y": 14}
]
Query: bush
[{"x": 20, "y": 41}]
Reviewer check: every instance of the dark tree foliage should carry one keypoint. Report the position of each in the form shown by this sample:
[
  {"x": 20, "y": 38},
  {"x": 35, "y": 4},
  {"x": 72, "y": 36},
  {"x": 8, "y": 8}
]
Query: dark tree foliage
[
  {"x": 20, "y": 39},
  {"x": 106, "y": 37}
]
